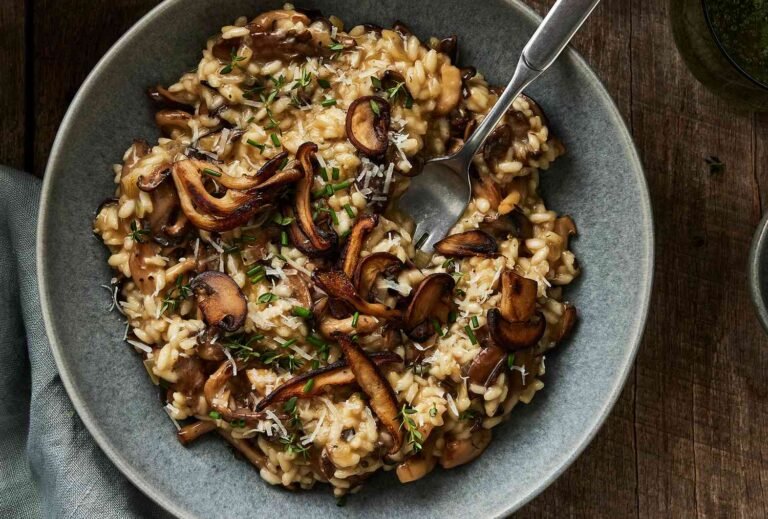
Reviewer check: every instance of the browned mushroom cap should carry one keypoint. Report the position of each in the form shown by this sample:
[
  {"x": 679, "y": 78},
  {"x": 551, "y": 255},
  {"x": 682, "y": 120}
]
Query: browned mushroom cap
[
  {"x": 514, "y": 224},
  {"x": 450, "y": 89},
  {"x": 458, "y": 452},
  {"x": 381, "y": 396},
  {"x": 169, "y": 120},
  {"x": 266, "y": 21},
  {"x": 142, "y": 273},
  {"x": 362, "y": 325},
  {"x": 363, "y": 225},
  {"x": 485, "y": 187},
  {"x": 565, "y": 227},
  {"x": 321, "y": 240},
  {"x": 217, "y": 393},
  {"x": 497, "y": 143},
  {"x": 220, "y": 299},
  {"x": 368, "y": 125},
  {"x": 449, "y": 46},
  {"x": 371, "y": 267},
  {"x": 518, "y": 335},
  {"x": 163, "y": 97},
  {"x": 193, "y": 431},
  {"x": 259, "y": 180},
  {"x": 336, "y": 374},
  {"x": 468, "y": 244},
  {"x": 338, "y": 285},
  {"x": 155, "y": 177},
  {"x": 486, "y": 365},
  {"x": 564, "y": 327},
  {"x": 431, "y": 300},
  {"x": 518, "y": 296},
  {"x": 300, "y": 289}
]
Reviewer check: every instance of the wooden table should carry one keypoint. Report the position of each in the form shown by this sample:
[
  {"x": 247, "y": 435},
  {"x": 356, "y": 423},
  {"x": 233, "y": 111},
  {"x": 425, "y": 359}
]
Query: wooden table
[{"x": 688, "y": 436}]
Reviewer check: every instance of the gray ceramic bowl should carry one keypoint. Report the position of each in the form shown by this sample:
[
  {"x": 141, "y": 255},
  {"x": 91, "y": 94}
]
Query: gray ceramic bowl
[
  {"x": 600, "y": 182},
  {"x": 758, "y": 272}
]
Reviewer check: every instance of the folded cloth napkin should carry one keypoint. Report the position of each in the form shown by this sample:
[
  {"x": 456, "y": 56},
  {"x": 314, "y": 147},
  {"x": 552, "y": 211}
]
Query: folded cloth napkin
[{"x": 49, "y": 464}]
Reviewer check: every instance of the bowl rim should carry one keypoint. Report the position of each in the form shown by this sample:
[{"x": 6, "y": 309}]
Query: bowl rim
[
  {"x": 756, "y": 252},
  {"x": 164, "y": 500}
]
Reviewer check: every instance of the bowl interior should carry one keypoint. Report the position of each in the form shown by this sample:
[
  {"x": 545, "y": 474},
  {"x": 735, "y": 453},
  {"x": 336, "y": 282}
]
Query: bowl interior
[{"x": 599, "y": 182}]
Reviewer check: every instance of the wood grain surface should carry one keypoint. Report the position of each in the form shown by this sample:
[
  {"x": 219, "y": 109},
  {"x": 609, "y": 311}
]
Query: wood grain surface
[{"x": 688, "y": 435}]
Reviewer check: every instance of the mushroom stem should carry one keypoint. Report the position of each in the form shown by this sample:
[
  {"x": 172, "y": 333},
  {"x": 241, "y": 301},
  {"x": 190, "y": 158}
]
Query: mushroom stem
[{"x": 193, "y": 431}]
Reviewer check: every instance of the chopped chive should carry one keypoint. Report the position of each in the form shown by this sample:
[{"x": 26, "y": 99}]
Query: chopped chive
[
  {"x": 211, "y": 172},
  {"x": 283, "y": 238},
  {"x": 421, "y": 240},
  {"x": 328, "y": 101},
  {"x": 438, "y": 328},
  {"x": 215, "y": 415},
  {"x": 470, "y": 334},
  {"x": 408, "y": 102},
  {"x": 316, "y": 341},
  {"x": 309, "y": 385},
  {"x": 451, "y": 317},
  {"x": 341, "y": 185},
  {"x": 300, "y": 311},
  {"x": 257, "y": 278},
  {"x": 280, "y": 256},
  {"x": 289, "y": 342},
  {"x": 332, "y": 213},
  {"x": 324, "y": 83},
  {"x": 226, "y": 70},
  {"x": 283, "y": 164},
  {"x": 336, "y": 46},
  {"x": 231, "y": 249},
  {"x": 255, "y": 144},
  {"x": 267, "y": 297},
  {"x": 326, "y": 191},
  {"x": 324, "y": 174},
  {"x": 283, "y": 220},
  {"x": 349, "y": 210},
  {"x": 290, "y": 404},
  {"x": 345, "y": 234},
  {"x": 511, "y": 360},
  {"x": 355, "y": 317},
  {"x": 275, "y": 139},
  {"x": 448, "y": 263},
  {"x": 375, "y": 107},
  {"x": 376, "y": 82},
  {"x": 256, "y": 269},
  {"x": 475, "y": 322},
  {"x": 315, "y": 364},
  {"x": 335, "y": 173}
]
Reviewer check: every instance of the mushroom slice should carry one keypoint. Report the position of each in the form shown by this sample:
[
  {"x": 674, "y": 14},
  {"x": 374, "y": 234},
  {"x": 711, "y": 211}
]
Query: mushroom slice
[
  {"x": 565, "y": 227},
  {"x": 300, "y": 289},
  {"x": 363, "y": 225},
  {"x": 336, "y": 374},
  {"x": 367, "y": 125},
  {"x": 193, "y": 431},
  {"x": 450, "y": 89},
  {"x": 468, "y": 244},
  {"x": 142, "y": 273},
  {"x": 265, "y": 173},
  {"x": 519, "y": 335},
  {"x": 165, "y": 98},
  {"x": 338, "y": 285},
  {"x": 459, "y": 452},
  {"x": 255, "y": 456},
  {"x": 169, "y": 120},
  {"x": 217, "y": 394},
  {"x": 431, "y": 300},
  {"x": 322, "y": 241},
  {"x": 449, "y": 46},
  {"x": 514, "y": 223},
  {"x": 381, "y": 396},
  {"x": 189, "y": 174},
  {"x": 564, "y": 327},
  {"x": 518, "y": 296},
  {"x": 371, "y": 267},
  {"x": 156, "y": 177},
  {"x": 266, "y": 21},
  {"x": 139, "y": 149},
  {"x": 486, "y": 365},
  {"x": 220, "y": 299},
  {"x": 497, "y": 143},
  {"x": 364, "y": 324}
]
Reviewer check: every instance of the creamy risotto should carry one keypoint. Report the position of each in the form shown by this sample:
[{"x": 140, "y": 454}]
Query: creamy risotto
[{"x": 278, "y": 297}]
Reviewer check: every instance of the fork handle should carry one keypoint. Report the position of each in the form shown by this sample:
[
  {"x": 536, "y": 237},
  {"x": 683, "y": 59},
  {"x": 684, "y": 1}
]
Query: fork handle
[{"x": 546, "y": 44}]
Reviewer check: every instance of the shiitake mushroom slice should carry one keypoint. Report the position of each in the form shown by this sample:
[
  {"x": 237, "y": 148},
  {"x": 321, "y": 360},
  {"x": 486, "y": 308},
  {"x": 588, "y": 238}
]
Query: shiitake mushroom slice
[
  {"x": 468, "y": 244},
  {"x": 367, "y": 125}
]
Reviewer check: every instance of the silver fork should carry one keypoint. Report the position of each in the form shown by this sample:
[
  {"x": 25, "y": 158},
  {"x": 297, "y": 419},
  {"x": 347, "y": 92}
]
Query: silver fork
[{"x": 438, "y": 196}]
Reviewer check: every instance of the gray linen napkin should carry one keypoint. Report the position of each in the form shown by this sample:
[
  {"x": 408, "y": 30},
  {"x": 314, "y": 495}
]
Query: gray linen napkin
[{"x": 49, "y": 464}]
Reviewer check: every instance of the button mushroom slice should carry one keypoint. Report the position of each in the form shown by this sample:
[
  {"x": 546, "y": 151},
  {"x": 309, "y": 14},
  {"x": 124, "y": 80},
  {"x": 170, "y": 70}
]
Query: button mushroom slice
[
  {"x": 193, "y": 431},
  {"x": 265, "y": 173},
  {"x": 497, "y": 143},
  {"x": 565, "y": 227},
  {"x": 382, "y": 398},
  {"x": 322, "y": 241},
  {"x": 362, "y": 226},
  {"x": 336, "y": 374},
  {"x": 450, "y": 89},
  {"x": 143, "y": 273},
  {"x": 367, "y": 125},
  {"x": 431, "y": 300},
  {"x": 371, "y": 267},
  {"x": 518, "y": 296},
  {"x": 565, "y": 325},
  {"x": 468, "y": 244},
  {"x": 217, "y": 395},
  {"x": 459, "y": 452},
  {"x": 220, "y": 299},
  {"x": 169, "y": 120},
  {"x": 487, "y": 365},
  {"x": 365, "y": 324},
  {"x": 519, "y": 335},
  {"x": 337, "y": 284}
]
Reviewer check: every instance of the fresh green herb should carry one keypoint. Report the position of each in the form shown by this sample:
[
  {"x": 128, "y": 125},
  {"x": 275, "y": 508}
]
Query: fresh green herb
[
  {"x": 175, "y": 296},
  {"x": 341, "y": 185},
  {"x": 326, "y": 191},
  {"x": 460, "y": 293},
  {"x": 375, "y": 107},
  {"x": 451, "y": 317},
  {"x": 237, "y": 423},
  {"x": 355, "y": 317},
  {"x": 281, "y": 257},
  {"x": 211, "y": 172},
  {"x": 304, "y": 79},
  {"x": 283, "y": 238},
  {"x": 215, "y": 415},
  {"x": 293, "y": 446},
  {"x": 289, "y": 342},
  {"x": 283, "y": 163},
  {"x": 336, "y": 46},
  {"x": 315, "y": 364},
  {"x": 376, "y": 82},
  {"x": 275, "y": 139},
  {"x": 324, "y": 174},
  {"x": 349, "y": 210},
  {"x": 468, "y": 415},
  {"x": 475, "y": 322},
  {"x": 287, "y": 362},
  {"x": 283, "y": 220},
  {"x": 433, "y": 410},
  {"x": 267, "y": 297},
  {"x": 309, "y": 385},
  {"x": 335, "y": 173},
  {"x": 255, "y": 144},
  {"x": 345, "y": 234},
  {"x": 137, "y": 232},
  {"x": 256, "y": 273},
  {"x": 414, "y": 435},
  {"x": 242, "y": 348},
  {"x": 511, "y": 360},
  {"x": 300, "y": 311},
  {"x": 290, "y": 408},
  {"x": 324, "y": 83},
  {"x": 323, "y": 348},
  {"x": 438, "y": 328},
  {"x": 449, "y": 263},
  {"x": 328, "y": 101},
  {"x": 234, "y": 59},
  {"x": 470, "y": 334},
  {"x": 399, "y": 91},
  {"x": 231, "y": 249}
]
